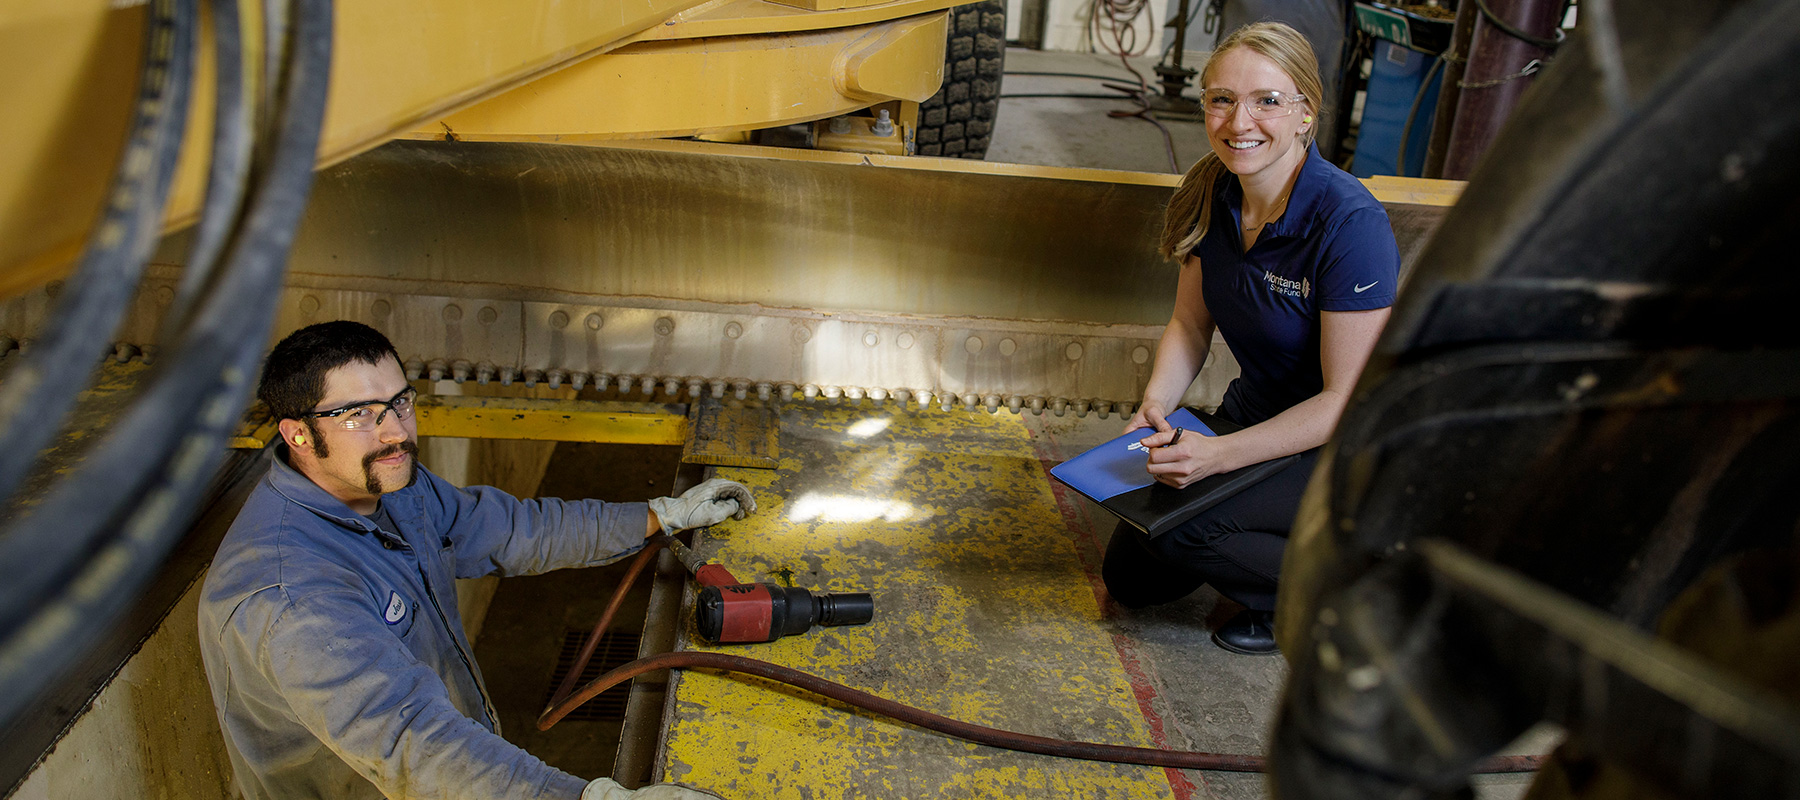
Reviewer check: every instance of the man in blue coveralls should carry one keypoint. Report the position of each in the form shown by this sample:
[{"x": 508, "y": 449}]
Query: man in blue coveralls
[{"x": 328, "y": 622}]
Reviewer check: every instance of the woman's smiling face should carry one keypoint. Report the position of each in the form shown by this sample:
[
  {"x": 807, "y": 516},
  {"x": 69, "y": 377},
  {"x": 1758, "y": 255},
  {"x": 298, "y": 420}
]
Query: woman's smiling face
[{"x": 1248, "y": 146}]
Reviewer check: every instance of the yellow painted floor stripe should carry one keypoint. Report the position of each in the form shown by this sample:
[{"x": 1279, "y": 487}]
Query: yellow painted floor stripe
[{"x": 983, "y": 613}]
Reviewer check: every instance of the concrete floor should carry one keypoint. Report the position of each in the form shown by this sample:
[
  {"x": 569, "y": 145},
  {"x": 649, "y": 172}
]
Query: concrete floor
[{"x": 1076, "y": 132}]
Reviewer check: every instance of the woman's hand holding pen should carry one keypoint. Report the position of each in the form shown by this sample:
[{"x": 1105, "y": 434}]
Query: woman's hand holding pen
[{"x": 1178, "y": 458}]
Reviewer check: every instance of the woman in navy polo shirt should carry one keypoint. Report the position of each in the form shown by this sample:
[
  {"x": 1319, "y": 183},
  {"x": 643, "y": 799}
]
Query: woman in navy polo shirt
[{"x": 1295, "y": 263}]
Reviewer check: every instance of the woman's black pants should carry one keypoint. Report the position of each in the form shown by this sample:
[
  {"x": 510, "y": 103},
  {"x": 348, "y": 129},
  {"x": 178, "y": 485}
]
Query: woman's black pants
[{"x": 1236, "y": 546}]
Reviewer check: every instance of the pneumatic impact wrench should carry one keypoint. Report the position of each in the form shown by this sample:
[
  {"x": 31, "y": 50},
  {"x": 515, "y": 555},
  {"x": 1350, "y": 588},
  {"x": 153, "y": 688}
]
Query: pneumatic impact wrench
[{"x": 731, "y": 612}]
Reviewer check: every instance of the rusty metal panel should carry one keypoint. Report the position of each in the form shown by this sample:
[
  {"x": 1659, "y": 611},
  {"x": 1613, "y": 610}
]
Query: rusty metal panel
[
  {"x": 731, "y": 435},
  {"x": 688, "y": 269}
]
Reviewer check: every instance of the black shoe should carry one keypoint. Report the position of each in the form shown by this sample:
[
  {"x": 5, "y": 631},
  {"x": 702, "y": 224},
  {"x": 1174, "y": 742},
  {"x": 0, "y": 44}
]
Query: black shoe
[{"x": 1250, "y": 633}]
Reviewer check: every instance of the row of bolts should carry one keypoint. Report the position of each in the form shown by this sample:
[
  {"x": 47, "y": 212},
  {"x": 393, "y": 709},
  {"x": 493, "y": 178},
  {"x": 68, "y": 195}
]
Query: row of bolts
[
  {"x": 484, "y": 373},
  {"x": 696, "y": 388}
]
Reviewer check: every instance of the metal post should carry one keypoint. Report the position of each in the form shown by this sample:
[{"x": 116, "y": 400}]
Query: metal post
[
  {"x": 1500, "y": 67},
  {"x": 1455, "y": 58}
]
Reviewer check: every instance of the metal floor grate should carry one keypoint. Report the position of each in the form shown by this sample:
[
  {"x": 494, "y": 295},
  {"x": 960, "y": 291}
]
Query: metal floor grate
[{"x": 616, "y": 647}]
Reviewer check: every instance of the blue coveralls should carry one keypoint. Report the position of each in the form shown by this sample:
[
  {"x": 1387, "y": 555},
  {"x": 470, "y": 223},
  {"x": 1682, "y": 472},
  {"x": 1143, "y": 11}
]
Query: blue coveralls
[{"x": 337, "y": 658}]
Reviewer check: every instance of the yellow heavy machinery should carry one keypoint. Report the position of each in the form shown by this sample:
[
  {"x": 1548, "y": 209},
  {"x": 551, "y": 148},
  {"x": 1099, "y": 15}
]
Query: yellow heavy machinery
[
  {"x": 556, "y": 212},
  {"x": 549, "y": 272}
]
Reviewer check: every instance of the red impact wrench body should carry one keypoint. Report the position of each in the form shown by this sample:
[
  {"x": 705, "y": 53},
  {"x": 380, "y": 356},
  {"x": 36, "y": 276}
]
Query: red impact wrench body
[{"x": 732, "y": 612}]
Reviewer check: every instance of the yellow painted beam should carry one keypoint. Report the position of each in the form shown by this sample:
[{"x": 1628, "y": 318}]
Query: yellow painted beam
[
  {"x": 684, "y": 87},
  {"x": 1417, "y": 191},
  {"x": 750, "y": 17},
  {"x": 257, "y": 429},
  {"x": 1386, "y": 188},
  {"x": 521, "y": 418},
  {"x": 72, "y": 69},
  {"x": 552, "y": 420}
]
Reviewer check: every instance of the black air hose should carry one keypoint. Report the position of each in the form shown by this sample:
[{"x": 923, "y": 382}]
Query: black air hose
[
  {"x": 102, "y": 532},
  {"x": 565, "y": 701},
  {"x": 38, "y": 393}
]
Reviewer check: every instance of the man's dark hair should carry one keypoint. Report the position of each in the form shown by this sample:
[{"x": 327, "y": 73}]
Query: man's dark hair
[{"x": 293, "y": 379}]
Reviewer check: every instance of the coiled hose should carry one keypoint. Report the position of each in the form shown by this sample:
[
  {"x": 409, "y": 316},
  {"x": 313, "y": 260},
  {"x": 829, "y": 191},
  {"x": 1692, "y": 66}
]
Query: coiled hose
[{"x": 101, "y": 532}]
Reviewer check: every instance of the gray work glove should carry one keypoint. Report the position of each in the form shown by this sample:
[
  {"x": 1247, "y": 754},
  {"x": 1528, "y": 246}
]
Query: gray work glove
[
  {"x": 707, "y": 504},
  {"x": 606, "y": 789}
]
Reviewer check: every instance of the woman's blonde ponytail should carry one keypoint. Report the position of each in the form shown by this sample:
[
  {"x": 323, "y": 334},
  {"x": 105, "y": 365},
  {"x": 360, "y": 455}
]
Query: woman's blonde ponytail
[{"x": 1190, "y": 210}]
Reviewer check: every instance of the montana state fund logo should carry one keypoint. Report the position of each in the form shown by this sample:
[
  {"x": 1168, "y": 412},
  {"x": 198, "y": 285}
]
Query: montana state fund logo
[{"x": 1287, "y": 287}]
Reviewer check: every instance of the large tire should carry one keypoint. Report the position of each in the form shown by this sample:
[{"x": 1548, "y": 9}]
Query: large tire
[{"x": 958, "y": 121}]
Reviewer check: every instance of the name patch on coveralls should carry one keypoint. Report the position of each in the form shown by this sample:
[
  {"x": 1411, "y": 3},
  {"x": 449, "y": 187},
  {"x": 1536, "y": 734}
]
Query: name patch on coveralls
[{"x": 396, "y": 608}]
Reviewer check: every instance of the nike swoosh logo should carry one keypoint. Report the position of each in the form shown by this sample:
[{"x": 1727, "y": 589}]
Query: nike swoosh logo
[{"x": 1361, "y": 289}]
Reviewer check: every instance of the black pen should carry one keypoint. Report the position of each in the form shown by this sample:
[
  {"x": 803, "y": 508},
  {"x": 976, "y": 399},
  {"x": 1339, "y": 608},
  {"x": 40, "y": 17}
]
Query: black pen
[{"x": 1176, "y": 439}]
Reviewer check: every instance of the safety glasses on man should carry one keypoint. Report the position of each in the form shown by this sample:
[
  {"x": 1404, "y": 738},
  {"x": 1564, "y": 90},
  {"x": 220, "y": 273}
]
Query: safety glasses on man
[
  {"x": 1262, "y": 104},
  {"x": 363, "y": 416}
]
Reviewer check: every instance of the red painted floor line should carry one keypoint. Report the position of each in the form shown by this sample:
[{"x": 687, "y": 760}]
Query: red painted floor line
[{"x": 1141, "y": 686}]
